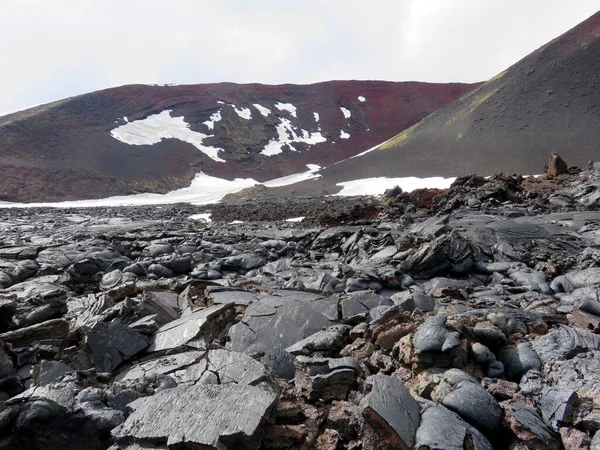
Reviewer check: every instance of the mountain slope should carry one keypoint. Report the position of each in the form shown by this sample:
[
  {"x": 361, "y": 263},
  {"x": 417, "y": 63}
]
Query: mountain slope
[
  {"x": 548, "y": 101},
  {"x": 155, "y": 138}
]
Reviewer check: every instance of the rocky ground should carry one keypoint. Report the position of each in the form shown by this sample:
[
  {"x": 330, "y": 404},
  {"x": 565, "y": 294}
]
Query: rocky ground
[{"x": 459, "y": 319}]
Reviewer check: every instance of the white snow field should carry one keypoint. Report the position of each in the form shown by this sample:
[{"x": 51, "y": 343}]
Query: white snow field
[
  {"x": 378, "y": 185},
  {"x": 286, "y": 107},
  {"x": 317, "y": 118},
  {"x": 215, "y": 117},
  {"x": 296, "y": 177},
  {"x": 346, "y": 112},
  {"x": 261, "y": 109},
  {"x": 157, "y": 127},
  {"x": 203, "y": 190},
  {"x": 344, "y": 135},
  {"x": 361, "y": 99},
  {"x": 203, "y": 216},
  {"x": 288, "y": 134},
  {"x": 244, "y": 113}
]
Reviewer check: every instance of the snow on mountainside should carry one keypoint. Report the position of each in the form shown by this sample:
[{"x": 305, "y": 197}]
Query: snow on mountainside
[{"x": 136, "y": 139}]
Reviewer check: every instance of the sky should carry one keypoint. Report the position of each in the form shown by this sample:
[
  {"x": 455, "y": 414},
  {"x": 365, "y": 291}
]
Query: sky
[{"x": 52, "y": 49}]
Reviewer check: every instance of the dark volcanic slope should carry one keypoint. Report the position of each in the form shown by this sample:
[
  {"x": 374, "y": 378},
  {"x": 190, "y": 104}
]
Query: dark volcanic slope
[
  {"x": 549, "y": 101},
  {"x": 65, "y": 150}
]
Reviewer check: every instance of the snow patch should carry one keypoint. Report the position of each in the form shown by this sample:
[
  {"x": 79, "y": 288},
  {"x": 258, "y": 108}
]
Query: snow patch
[
  {"x": 344, "y": 135},
  {"x": 203, "y": 190},
  {"x": 295, "y": 219},
  {"x": 204, "y": 216},
  {"x": 296, "y": 177},
  {"x": 215, "y": 117},
  {"x": 287, "y": 134},
  {"x": 361, "y": 98},
  {"x": 364, "y": 153},
  {"x": 286, "y": 107},
  {"x": 317, "y": 118},
  {"x": 378, "y": 185},
  {"x": 346, "y": 112},
  {"x": 235, "y": 222},
  {"x": 244, "y": 113},
  {"x": 157, "y": 127},
  {"x": 261, "y": 109}
]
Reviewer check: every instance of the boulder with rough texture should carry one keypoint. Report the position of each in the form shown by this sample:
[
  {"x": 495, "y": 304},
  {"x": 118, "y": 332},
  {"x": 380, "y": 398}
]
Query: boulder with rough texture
[
  {"x": 432, "y": 336},
  {"x": 442, "y": 429},
  {"x": 214, "y": 416},
  {"x": 325, "y": 378},
  {"x": 201, "y": 327},
  {"x": 392, "y": 412},
  {"x": 275, "y": 323},
  {"x": 112, "y": 343},
  {"x": 529, "y": 427}
]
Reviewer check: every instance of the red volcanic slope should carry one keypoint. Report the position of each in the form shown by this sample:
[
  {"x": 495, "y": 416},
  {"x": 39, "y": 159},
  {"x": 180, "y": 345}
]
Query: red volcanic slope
[{"x": 64, "y": 150}]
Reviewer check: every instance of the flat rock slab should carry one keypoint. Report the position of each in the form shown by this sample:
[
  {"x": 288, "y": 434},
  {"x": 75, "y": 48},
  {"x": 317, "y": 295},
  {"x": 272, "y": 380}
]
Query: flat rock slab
[
  {"x": 112, "y": 343},
  {"x": 224, "y": 416},
  {"x": 215, "y": 366},
  {"x": 273, "y": 324},
  {"x": 393, "y": 412},
  {"x": 528, "y": 426},
  {"x": 201, "y": 325}
]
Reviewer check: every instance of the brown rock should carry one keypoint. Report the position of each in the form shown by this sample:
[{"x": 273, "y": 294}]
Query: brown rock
[
  {"x": 359, "y": 349},
  {"x": 388, "y": 338},
  {"x": 556, "y": 166},
  {"x": 573, "y": 439},
  {"x": 284, "y": 436},
  {"x": 500, "y": 389},
  {"x": 328, "y": 440},
  {"x": 586, "y": 320},
  {"x": 344, "y": 417}
]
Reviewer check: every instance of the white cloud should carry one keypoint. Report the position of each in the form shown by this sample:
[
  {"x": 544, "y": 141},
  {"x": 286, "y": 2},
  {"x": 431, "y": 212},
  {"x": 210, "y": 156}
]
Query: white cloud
[{"x": 56, "y": 48}]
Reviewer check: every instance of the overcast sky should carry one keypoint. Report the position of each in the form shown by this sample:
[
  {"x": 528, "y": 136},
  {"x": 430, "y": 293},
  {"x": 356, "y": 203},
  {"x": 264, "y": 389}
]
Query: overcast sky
[{"x": 52, "y": 49}]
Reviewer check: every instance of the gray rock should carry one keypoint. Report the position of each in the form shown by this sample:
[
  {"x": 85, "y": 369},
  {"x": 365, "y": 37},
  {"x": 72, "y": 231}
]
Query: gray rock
[
  {"x": 160, "y": 271},
  {"x": 111, "y": 279},
  {"x": 325, "y": 379},
  {"x": 201, "y": 327},
  {"x": 438, "y": 283},
  {"x": 330, "y": 340},
  {"x": 136, "y": 269},
  {"x": 180, "y": 265},
  {"x": 8, "y": 308},
  {"x": 482, "y": 354},
  {"x": 432, "y": 336},
  {"x": 520, "y": 359},
  {"x": 392, "y": 411},
  {"x": 274, "y": 324},
  {"x": 227, "y": 416},
  {"x": 158, "y": 249},
  {"x": 244, "y": 262},
  {"x": 442, "y": 429},
  {"x": 556, "y": 405},
  {"x": 564, "y": 341},
  {"x": 51, "y": 329},
  {"x": 425, "y": 303},
  {"x": 112, "y": 343},
  {"x": 49, "y": 371},
  {"x": 529, "y": 427},
  {"x": 200, "y": 367},
  {"x": 490, "y": 336},
  {"x": 573, "y": 280},
  {"x": 44, "y": 424},
  {"x": 475, "y": 405}
]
